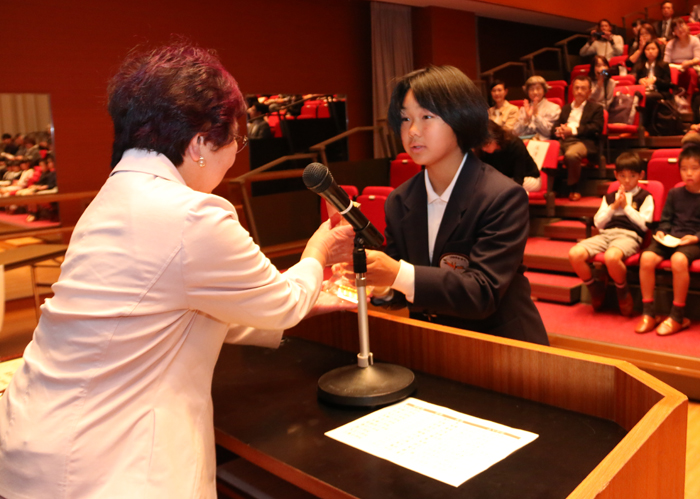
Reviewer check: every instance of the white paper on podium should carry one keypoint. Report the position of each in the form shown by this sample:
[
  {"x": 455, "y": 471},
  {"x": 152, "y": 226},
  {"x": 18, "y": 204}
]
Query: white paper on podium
[
  {"x": 538, "y": 151},
  {"x": 434, "y": 441},
  {"x": 7, "y": 370}
]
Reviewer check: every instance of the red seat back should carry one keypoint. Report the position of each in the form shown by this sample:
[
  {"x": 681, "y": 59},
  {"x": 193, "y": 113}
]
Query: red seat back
[
  {"x": 401, "y": 170},
  {"x": 377, "y": 190},
  {"x": 618, "y": 60},
  {"x": 556, "y": 92},
  {"x": 666, "y": 153},
  {"x": 665, "y": 171},
  {"x": 352, "y": 194},
  {"x": 372, "y": 206}
]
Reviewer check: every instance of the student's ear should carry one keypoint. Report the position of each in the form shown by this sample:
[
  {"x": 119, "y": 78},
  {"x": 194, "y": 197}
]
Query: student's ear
[
  {"x": 616, "y": 175},
  {"x": 642, "y": 175}
]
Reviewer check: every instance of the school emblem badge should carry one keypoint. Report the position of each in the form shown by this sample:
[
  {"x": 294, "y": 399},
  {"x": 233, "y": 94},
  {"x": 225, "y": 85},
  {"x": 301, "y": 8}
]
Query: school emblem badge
[{"x": 454, "y": 261}]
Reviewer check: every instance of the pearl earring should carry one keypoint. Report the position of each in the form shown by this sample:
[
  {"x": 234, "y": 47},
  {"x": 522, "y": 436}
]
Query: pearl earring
[{"x": 201, "y": 162}]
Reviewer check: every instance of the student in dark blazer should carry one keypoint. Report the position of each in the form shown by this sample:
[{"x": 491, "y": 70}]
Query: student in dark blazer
[
  {"x": 460, "y": 267},
  {"x": 578, "y": 128}
]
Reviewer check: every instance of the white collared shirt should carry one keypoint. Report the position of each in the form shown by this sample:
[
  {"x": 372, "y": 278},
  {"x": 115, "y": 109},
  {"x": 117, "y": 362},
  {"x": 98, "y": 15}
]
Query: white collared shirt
[
  {"x": 574, "y": 120},
  {"x": 406, "y": 278}
]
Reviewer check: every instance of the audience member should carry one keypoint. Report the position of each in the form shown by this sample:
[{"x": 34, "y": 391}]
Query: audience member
[
  {"x": 6, "y": 142},
  {"x": 634, "y": 41},
  {"x": 695, "y": 13},
  {"x": 603, "y": 42},
  {"x": 536, "y": 116},
  {"x": 578, "y": 129},
  {"x": 508, "y": 154},
  {"x": 664, "y": 28},
  {"x": 647, "y": 33},
  {"x": 681, "y": 222},
  {"x": 503, "y": 112},
  {"x": 26, "y": 173},
  {"x": 603, "y": 89},
  {"x": 622, "y": 221},
  {"x": 684, "y": 50},
  {"x": 655, "y": 75},
  {"x": 258, "y": 128}
]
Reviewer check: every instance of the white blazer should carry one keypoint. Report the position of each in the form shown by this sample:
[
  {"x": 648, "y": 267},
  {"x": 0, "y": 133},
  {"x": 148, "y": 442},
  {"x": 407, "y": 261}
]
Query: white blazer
[{"x": 114, "y": 398}]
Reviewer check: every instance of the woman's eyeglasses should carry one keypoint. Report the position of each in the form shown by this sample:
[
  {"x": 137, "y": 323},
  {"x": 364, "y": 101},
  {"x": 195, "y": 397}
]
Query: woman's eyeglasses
[{"x": 242, "y": 141}]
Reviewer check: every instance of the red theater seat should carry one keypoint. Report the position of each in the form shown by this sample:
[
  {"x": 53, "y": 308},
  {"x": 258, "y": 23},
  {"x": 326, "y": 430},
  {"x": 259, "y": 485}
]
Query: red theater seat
[
  {"x": 550, "y": 162},
  {"x": 625, "y": 130},
  {"x": 352, "y": 194},
  {"x": 373, "y": 208},
  {"x": 665, "y": 171},
  {"x": 401, "y": 169},
  {"x": 377, "y": 190}
]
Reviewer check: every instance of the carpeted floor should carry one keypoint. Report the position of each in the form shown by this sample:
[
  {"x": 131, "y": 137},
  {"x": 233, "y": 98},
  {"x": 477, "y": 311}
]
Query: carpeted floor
[{"x": 581, "y": 321}]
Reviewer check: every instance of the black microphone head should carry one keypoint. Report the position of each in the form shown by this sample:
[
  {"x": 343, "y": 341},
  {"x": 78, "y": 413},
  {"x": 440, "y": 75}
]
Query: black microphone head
[{"x": 317, "y": 177}]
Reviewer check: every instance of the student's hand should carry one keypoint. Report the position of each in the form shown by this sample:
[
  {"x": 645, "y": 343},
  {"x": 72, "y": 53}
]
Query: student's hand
[
  {"x": 621, "y": 199},
  {"x": 686, "y": 240},
  {"x": 381, "y": 269},
  {"x": 660, "y": 234}
]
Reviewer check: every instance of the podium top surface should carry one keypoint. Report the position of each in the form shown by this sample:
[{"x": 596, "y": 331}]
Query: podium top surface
[{"x": 266, "y": 409}]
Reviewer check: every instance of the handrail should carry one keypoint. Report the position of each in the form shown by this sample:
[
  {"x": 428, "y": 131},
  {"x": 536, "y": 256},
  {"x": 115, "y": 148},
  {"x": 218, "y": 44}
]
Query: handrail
[
  {"x": 565, "y": 47},
  {"x": 321, "y": 146},
  {"x": 260, "y": 174},
  {"x": 530, "y": 57},
  {"x": 624, "y": 18},
  {"x": 273, "y": 163},
  {"x": 46, "y": 198},
  {"x": 489, "y": 74}
]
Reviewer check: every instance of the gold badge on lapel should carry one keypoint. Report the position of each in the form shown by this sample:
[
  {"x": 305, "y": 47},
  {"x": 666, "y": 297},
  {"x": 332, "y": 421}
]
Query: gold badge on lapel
[{"x": 455, "y": 261}]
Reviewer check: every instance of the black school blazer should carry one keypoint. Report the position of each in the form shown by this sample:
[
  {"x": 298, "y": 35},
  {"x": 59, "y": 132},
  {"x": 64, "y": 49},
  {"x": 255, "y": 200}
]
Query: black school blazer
[{"x": 486, "y": 225}]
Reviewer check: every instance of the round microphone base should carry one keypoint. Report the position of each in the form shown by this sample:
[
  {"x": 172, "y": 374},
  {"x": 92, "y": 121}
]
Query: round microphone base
[{"x": 378, "y": 384}]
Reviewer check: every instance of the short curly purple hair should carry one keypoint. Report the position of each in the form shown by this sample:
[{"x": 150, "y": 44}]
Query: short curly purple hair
[{"x": 162, "y": 98}]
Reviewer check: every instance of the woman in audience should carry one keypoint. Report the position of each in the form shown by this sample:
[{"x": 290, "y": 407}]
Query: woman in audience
[
  {"x": 603, "y": 88},
  {"x": 537, "y": 115},
  {"x": 646, "y": 34},
  {"x": 655, "y": 74},
  {"x": 503, "y": 112},
  {"x": 114, "y": 396},
  {"x": 508, "y": 154},
  {"x": 684, "y": 51}
]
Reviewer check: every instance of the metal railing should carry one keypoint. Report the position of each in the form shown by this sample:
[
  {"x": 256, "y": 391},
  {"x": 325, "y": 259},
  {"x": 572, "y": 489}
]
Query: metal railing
[
  {"x": 489, "y": 74},
  {"x": 321, "y": 146},
  {"x": 529, "y": 58},
  {"x": 241, "y": 184},
  {"x": 564, "y": 44}
]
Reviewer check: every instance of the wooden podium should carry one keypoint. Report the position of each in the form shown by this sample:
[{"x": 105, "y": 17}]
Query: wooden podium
[{"x": 648, "y": 461}]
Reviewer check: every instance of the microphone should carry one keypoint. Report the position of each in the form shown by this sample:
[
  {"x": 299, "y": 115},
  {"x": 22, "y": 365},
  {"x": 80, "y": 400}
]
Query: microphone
[{"x": 318, "y": 179}]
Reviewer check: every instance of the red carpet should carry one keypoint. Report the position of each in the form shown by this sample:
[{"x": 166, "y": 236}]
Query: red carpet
[
  {"x": 21, "y": 221},
  {"x": 581, "y": 321}
]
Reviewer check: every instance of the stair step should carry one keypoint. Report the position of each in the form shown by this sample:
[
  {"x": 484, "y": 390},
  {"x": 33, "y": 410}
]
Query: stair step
[
  {"x": 567, "y": 230},
  {"x": 554, "y": 287},
  {"x": 587, "y": 206},
  {"x": 546, "y": 254}
]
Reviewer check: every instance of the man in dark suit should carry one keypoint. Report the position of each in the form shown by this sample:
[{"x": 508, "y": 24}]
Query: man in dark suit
[
  {"x": 578, "y": 128},
  {"x": 664, "y": 28}
]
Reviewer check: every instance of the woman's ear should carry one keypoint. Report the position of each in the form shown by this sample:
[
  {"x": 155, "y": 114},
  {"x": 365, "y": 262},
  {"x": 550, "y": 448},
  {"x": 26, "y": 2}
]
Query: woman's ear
[{"x": 194, "y": 148}]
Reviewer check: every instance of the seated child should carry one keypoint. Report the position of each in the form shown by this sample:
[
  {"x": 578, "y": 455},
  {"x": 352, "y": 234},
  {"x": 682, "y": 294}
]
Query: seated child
[
  {"x": 622, "y": 221},
  {"x": 681, "y": 220}
]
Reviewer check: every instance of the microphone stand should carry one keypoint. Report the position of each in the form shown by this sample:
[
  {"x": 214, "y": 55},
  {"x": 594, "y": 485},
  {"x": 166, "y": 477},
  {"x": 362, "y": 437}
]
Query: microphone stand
[{"x": 366, "y": 384}]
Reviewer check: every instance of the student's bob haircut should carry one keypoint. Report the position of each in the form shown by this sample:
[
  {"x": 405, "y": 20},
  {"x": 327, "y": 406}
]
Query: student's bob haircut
[
  {"x": 160, "y": 99},
  {"x": 450, "y": 94}
]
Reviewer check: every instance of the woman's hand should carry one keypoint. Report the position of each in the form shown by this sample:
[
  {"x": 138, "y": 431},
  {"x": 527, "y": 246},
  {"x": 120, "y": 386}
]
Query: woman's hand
[
  {"x": 330, "y": 246},
  {"x": 660, "y": 234},
  {"x": 327, "y": 303},
  {"x": 687, "y": 240}
]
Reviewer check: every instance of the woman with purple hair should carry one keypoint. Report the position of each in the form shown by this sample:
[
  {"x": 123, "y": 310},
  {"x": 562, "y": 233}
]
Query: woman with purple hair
[{"x": 114, "y": 395}]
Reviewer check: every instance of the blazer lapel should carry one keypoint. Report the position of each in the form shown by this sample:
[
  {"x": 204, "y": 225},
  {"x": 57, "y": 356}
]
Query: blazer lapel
[
  {"x": 459, "y": 203},
  {"x": 414, "y": 224}
]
